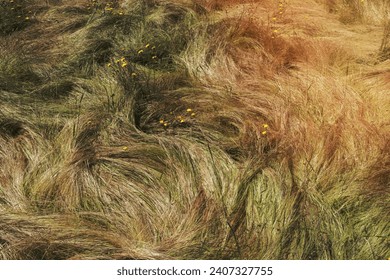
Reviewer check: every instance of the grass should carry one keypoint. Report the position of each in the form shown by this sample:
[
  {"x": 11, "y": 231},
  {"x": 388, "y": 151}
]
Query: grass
[
  {"x": 359, "y": 10},
  {"x": 385, "y": 48},
  {"x": 166, "y": 130}
]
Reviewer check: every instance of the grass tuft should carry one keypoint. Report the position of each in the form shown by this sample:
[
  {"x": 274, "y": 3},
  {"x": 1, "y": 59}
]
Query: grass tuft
[{"x": 147, "y": 129}]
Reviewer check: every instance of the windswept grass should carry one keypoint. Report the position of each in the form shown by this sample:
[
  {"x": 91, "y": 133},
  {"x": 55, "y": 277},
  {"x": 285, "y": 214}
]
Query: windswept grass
[
  {"x": 165, "y": 130},
  {"x": 352, "y": 11}
]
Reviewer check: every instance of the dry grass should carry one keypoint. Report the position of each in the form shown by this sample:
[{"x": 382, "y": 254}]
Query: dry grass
[
  {"x": 166, "y": 130},
  {"x": 352, "y": 11},
  {"x": 220, "y": 4}
]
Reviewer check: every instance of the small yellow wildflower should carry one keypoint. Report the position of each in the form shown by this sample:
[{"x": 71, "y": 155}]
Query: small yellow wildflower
[
  {"x": 189, "y": 110},
  {"x": 140, "y": 51},
  {"x": 124, "y": 64},
  {"x": 264, "y": 132},
  {"x": 193, "y": 115},
  {"x": 147, "y": 46},
  {"x": 182, "y": 120},
  {"x": 166, "y": 124},
  {"x": 108, "y": 64},
  {"x": 125, "y": 148},
  {"x": 161, "y": 121},
  {"x": 265, "y": 125}
]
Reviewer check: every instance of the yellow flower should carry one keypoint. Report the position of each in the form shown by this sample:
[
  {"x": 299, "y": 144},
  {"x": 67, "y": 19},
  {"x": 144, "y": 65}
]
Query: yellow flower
[
  {"x": 264, "y": 132},
  {"x": 161, "y": 121},
  {"x": 189, "y": 110},
  {"x": 274, "y": 18},
  {"x": 147, "y": 46},
  {"x": 182, "y": 120},
  {"x": 108, "y": 64},
  {"x": 125, "y": 148},
  {"x": 166, "y": 124},
  {"x": 265, "y": 125},
  {"x": 124, "y": 64},
  {"x": 140, "y": 51},
  {"x": 193, "y": 115}
]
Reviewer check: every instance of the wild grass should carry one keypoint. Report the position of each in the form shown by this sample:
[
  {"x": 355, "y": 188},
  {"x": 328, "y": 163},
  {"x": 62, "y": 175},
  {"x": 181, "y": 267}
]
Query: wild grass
[
  {"x": 15, "y": 15},
  {"x": 352, "y": 11},
  {"x": 385, "y": 45},
  {"x": 154, "y": 130}
]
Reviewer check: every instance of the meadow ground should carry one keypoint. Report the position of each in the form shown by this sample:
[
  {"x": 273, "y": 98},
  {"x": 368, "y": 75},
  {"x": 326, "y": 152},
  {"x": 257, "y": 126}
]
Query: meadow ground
[{"x": 195, "y": 129}]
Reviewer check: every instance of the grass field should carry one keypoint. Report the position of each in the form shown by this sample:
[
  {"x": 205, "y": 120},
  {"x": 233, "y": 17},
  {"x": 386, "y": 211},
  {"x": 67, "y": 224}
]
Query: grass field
[{"x": 195, "y": 129}]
